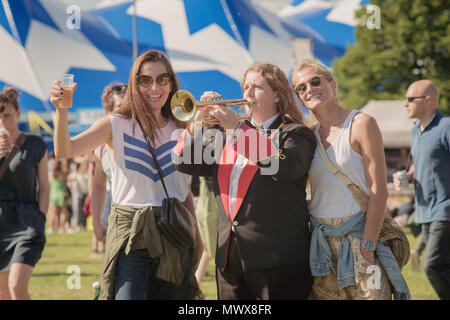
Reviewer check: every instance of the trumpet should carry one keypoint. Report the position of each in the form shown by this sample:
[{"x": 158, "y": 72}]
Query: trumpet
[{"x": 184, "y": 106}]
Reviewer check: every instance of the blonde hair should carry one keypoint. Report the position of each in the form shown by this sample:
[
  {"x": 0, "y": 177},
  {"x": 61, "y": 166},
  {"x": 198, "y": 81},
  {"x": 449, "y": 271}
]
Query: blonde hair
[
  {"x": 311, "y": 63},
  {"x": 320, "y": 69}
]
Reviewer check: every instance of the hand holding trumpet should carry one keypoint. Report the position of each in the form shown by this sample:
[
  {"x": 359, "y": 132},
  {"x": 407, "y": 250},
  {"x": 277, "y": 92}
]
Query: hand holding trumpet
[
  {"x": 226, "y": 117},
  {"x": 211, "y": 109}
]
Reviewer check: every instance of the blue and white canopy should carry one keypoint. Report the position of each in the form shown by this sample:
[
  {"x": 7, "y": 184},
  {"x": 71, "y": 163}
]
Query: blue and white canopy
[
  {"x": 333, "y": 21},
  {"x": 38, "y": 47},
  {"x": 209, "y": 42}
]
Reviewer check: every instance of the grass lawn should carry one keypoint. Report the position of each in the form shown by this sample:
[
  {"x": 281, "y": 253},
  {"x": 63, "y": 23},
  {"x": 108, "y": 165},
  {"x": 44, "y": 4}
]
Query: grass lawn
[{"x": 52, "y": 280}]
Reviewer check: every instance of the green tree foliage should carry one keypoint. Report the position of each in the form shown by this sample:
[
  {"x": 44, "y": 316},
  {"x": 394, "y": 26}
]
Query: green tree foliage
[{"x": 412, "y": 43}]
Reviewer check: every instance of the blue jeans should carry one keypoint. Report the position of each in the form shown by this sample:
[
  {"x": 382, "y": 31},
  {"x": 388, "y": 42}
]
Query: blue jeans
[
  {"x": 436, "y": 259},
  {"x": 136, "y": 278}
]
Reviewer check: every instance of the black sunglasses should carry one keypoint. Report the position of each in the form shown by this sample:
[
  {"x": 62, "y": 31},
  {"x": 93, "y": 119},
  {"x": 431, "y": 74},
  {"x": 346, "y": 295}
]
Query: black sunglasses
[
  {"x": 411, "y": 99},
  {"x": 119, "y": 88},
  {"x": 301, "y": 87},
  {"x": 146, "y": 81}
]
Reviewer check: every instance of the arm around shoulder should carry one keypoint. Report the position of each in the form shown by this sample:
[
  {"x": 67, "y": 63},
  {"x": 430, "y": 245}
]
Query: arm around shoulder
[{"x": 296, "y": 151}]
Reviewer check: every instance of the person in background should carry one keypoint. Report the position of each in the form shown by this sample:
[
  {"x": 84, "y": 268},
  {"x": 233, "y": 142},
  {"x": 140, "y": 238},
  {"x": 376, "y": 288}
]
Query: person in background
[
  {"x": 58, "y": 213},
  {"x": 430, "y": 149},
  {"x": 112, "y": 97},
  {"x": 24, "y": 198},
  {"x": 207, "y": 217},
  {"x": 140, "y": 263}
]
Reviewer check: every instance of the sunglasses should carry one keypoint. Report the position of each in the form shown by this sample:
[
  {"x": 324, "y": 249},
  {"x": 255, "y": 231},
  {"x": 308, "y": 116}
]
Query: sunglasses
[
  {"x": 119, "y": 88},
  {"x": 301, "y": 88},
  {"x": 146, "y": 81},
  {"x": 411, "y": 99}
]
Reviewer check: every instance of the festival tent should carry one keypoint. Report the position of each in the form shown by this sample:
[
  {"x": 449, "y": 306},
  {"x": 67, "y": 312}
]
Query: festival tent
[
  {"x": 40, "y": 43},
  {"x": 333, "y": 21},
  {"x": 209, "y": 42},
  {"x": 393, "y": 120}
]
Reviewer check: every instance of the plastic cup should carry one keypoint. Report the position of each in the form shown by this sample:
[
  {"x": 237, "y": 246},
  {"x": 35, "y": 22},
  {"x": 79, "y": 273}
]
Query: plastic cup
[
  {"x": 67, "y": 85},
  {"x": 403, "y": 177}
]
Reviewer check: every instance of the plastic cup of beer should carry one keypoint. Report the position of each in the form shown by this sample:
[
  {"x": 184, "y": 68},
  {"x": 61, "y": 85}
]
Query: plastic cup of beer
[
  {"x": 67, "y": 85},
  {"x": 403, "y": 177}
]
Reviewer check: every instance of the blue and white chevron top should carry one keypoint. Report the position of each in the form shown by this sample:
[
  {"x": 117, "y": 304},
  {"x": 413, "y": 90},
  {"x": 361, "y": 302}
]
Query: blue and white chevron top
[{"x": 135, "y": 180}]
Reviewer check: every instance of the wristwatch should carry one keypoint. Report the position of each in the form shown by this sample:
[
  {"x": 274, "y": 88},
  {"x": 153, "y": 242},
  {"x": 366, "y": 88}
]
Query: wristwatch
[{"x": 368, "y": 245}]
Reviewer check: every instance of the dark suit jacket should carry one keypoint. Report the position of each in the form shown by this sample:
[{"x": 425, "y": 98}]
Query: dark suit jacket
[{"x": 270, "y": 220}]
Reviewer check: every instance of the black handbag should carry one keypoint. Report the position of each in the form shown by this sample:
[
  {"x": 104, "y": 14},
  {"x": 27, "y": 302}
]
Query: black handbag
[{"x": 175, "y": 222}]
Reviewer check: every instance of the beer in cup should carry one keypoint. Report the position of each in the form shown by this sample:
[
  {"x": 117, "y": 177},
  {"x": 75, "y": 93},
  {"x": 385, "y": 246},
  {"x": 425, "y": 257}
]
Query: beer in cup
[
  {"x": 403, "y": 177},
  {"x": 67, "y": 85}
]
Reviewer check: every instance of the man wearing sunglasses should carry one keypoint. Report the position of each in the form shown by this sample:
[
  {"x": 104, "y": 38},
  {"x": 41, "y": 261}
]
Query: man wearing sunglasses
[{"x": 430, "y": 149}]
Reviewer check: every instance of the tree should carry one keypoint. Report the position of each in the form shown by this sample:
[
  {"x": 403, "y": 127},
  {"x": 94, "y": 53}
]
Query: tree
[{"x": 412, "y": 43}]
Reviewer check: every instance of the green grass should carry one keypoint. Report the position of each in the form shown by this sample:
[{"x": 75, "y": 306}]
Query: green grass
[{"x": 49, "y": 280}]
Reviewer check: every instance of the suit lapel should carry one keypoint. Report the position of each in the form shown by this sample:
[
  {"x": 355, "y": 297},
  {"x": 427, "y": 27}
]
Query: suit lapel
[
  {"x": 227, "y": 160},
  {"x": 245, "y": 179},
  {"x": 248, "y": 174}
]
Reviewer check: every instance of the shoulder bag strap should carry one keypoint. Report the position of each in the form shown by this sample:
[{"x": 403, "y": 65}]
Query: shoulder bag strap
[
  {"x": 359, "y": 195},
  {"x": 328, "y": 163},
  {"x": 152, "y": 152},
  {"x": 19, "y": 141}
]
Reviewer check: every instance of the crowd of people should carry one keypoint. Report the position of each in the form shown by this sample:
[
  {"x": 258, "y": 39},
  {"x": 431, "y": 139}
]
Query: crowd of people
[{"x": 267, "y": 240}]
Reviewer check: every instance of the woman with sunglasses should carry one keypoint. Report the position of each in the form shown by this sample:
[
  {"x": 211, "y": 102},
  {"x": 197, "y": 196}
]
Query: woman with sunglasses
[
  {"x": 139, "y": 262},
  {"x": 352, "y": 141},
  {"x": 24, "y": 199},
  {"x": 263, "y": 235}
]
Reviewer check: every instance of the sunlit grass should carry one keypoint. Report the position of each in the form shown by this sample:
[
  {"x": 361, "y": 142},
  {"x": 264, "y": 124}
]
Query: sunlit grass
[{"x": 50, "y": 277}]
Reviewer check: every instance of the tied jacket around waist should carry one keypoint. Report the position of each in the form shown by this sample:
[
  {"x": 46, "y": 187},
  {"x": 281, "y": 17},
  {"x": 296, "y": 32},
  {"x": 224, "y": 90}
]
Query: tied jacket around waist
[
  {"x": 134, "y": 229},
  {"x": 320, "y": 254},
  {"x": 270, "y": 217}
]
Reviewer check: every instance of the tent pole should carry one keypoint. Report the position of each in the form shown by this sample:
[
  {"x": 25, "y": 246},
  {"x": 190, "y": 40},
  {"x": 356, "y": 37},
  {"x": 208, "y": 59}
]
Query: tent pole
[{"x": 135, "y": 48}]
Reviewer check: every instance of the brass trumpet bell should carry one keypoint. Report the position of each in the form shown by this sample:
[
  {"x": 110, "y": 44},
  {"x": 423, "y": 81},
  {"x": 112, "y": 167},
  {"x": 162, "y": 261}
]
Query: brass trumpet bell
[{"x": 184, "y": 106}]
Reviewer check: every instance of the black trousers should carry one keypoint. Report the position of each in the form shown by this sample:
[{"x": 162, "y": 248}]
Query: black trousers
[{"x": 291, "y": 282}]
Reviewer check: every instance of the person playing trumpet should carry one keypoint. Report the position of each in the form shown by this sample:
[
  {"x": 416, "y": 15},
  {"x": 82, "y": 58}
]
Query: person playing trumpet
[{"x": 263, "y": 236}]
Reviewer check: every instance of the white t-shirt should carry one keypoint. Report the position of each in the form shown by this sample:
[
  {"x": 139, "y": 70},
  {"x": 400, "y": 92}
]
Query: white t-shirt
[
  {"x": 102, "y": 154},
  {"x": 135, "y": 180}
]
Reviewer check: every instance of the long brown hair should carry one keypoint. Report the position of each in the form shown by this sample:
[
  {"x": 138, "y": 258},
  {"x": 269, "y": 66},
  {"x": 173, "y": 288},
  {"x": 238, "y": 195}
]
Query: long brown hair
[
  {"x": 134, "y": 107},
  {"x": 279, "y": 83}
]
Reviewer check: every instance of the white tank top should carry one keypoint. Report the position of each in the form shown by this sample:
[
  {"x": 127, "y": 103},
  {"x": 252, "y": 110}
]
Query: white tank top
[
  {"x": 135, "y": 180},
  {"x": 330, "y": 198}
]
